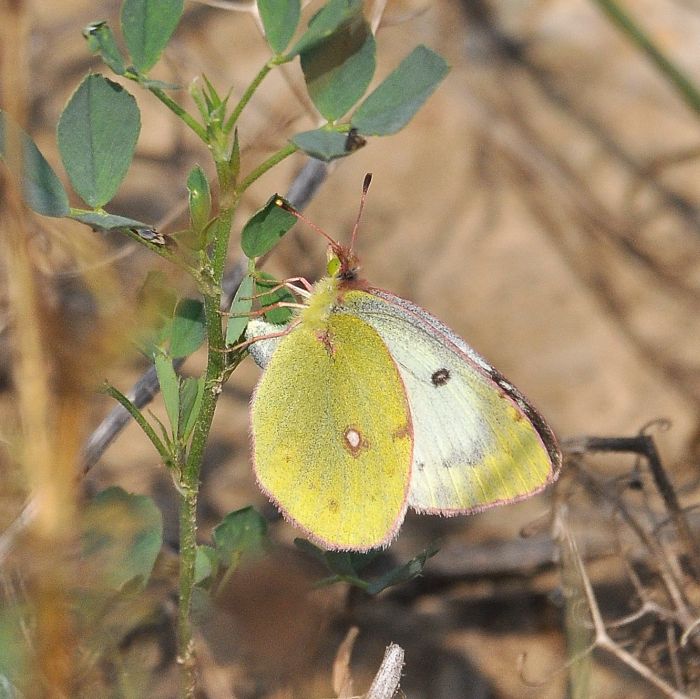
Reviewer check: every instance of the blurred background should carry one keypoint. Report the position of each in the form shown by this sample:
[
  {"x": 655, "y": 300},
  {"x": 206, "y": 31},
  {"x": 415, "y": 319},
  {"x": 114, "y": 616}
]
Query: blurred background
[{"x": 545, "y": 204}]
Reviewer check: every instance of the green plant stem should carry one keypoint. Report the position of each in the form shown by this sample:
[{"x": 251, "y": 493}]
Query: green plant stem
[
  {"x": 173, "y": 106},
  {"x": 189, "y": 477},
  {"x": 259, "y": 171},
  {"x": 188, "y": 553},
  {"x": 245, "y": 98},
  {"x": 683, "y": 84}
]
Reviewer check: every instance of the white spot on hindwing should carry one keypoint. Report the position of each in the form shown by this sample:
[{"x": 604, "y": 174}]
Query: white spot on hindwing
[
  {"x": 354, "y": 441},
  {"x": 353, "y": 438}
]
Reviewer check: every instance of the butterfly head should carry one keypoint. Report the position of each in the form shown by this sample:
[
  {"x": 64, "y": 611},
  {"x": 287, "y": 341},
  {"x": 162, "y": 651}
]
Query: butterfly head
[{"x": 342, "y": 263}]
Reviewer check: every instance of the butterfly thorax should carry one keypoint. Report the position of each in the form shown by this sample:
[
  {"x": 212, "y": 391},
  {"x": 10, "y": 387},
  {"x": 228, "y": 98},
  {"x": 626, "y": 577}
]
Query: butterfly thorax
[
  {"x": 342, "y": 275},
  {"x": 327, "y": 294},
  {"x": 320, "y": 304}
]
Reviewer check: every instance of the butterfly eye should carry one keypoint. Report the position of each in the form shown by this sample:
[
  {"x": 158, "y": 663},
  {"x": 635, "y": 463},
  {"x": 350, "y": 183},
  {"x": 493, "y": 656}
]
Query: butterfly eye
[{"x": 333, "y": 266}]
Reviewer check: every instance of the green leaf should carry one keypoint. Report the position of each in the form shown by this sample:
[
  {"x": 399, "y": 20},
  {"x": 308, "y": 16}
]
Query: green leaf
[
  {"x": 280, "y": 19},
  {"x": 97, "y": 134},
  {"x": 157, "y": 297},
  {"x": 341, "y": 563},
  {"x": 240, "y": 532},
  {"x": 42, "y": 191},
  {"x": 188, "y": 328},
  {"x": 326, "y": 22},
  {"x": 214, "y": 101},
  {"x": 167, "y": 436},
  {"x": 339, "y": 69},
  {"x": 392, "y": 105},
  {"x": 100, "y": 40},
  {"x": 199, "y": 198},
  {"x": 101, "y": 220},
  {"x": 14, "y": 652},
  {"x": 147, "y": 26},
  {"x": 346, "y": 564},
  {"x": 122, "y": 536},
  {"x": 266, "y": 227},
  {"x": 205, "y": 564},
  {"x": 240, "y": 309},
  {"x": 264, "y": 283},
  {"x": 192, "y": 391},
  {"x": 404, "y": 573},
  {"x": 106, "y": 222},
  {"x": 170, "y": 388},
  {"x": 322, "y": 144},
  {"x": 307, "y": 547},
  {"x": 156, "y": 306},
  {"x": 234, "y": 161}
]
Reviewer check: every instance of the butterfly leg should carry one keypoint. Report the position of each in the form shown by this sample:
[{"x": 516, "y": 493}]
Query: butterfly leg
[{"x": 266, "y": 336}]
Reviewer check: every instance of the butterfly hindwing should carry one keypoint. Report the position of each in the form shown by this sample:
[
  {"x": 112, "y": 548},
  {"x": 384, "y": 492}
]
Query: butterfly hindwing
[
  {"x": 478, "y": 442},
  {"x": 333, "y": 434}
]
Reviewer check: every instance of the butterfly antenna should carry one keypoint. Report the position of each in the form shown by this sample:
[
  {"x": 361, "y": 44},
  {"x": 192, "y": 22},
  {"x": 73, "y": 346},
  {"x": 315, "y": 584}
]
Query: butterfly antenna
[
  {"x": 365, "y": 188},
  {"x": 290, "y": 209}
]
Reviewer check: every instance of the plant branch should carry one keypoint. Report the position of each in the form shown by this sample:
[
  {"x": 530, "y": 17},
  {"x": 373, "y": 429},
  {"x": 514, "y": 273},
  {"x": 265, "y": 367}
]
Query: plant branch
[
  {"x": 186, "y": 117},
  {"x": 165, "y": 251},
  {"x": 644, "y": 445},
  {"x": 259, "y": 171},
  {"x": 602, "y": 639},
  {"x": 626, "y": 23},
  {"x": 245, "y": 98},
  {"x": 188, "y": 555},
  {"x": 189, "y": 477}
]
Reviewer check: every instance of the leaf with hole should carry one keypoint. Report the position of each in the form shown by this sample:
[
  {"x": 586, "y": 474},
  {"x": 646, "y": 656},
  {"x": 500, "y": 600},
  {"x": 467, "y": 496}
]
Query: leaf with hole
[{"x": 264, "y": 230}]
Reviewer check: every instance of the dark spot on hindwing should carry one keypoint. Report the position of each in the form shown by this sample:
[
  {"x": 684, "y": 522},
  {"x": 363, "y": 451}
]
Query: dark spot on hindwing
[{"x": 440, "y": 377}]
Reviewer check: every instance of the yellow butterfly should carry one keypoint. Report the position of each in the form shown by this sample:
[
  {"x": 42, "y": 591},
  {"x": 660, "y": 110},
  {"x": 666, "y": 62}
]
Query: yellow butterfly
[{"x": 369, "y": 405}]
